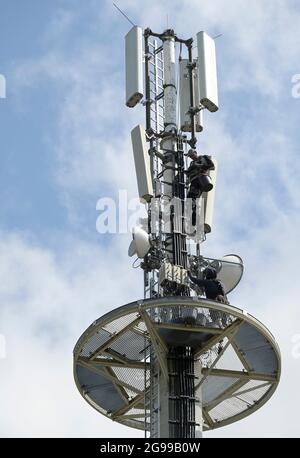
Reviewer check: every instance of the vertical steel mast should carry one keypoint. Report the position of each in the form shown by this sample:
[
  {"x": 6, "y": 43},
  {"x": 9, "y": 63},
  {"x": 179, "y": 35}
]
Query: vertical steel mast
[{"x": 172, "y": 401}]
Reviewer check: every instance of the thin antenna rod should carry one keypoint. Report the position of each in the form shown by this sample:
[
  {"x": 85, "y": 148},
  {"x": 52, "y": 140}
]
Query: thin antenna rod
[{"x": 122, "y": 12}]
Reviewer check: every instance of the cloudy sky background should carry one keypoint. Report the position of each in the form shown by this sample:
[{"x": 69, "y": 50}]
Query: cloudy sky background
[{"x": 65, "y": 143}]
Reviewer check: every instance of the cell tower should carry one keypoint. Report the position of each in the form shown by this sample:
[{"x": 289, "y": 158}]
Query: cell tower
[{"x": 179, "y": 361}]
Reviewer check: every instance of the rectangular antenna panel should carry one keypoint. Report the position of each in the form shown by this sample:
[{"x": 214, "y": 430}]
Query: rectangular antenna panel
[
  {"x": 209, "y": 199},
  {"x": 134, "y": 66},
  {"x": 142, "y": 163},
  {"x": 184, "y": 277},
  {"x": 177, "y": 274},
  {"x": 207, "y": 72},
  {"x": 165, "y": 273},
  {"x": 169, "y": 273},
  {"x": 184, "y": 98}
]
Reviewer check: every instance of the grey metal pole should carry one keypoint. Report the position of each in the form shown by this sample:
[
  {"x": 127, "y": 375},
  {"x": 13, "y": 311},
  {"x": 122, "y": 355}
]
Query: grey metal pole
[{"x": 169, "y": 142}]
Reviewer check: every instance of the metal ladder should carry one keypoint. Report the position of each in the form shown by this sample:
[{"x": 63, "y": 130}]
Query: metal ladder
[
  {"x": 156, "y": 87},
  {"x": 151, "y": 390},
  {"x": 154, "y": 396},
  {"x": 151, "y": 283},
  {"x": 156, "y": 72}
]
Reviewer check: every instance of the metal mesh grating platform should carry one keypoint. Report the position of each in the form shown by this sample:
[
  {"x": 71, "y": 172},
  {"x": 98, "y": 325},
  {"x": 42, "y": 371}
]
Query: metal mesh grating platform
[{"x": 111, "y": 364}]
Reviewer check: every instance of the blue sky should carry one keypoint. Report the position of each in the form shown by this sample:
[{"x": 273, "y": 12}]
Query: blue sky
[{"x": 65, "y": 143}]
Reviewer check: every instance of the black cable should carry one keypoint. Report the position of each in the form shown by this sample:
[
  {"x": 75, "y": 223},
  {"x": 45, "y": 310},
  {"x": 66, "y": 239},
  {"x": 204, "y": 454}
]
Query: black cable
[{"x": 125, "y": 15}]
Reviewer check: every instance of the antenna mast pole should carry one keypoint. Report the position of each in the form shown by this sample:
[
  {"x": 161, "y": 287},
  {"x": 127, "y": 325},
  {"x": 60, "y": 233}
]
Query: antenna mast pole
[{"x": 169, "y": 142}]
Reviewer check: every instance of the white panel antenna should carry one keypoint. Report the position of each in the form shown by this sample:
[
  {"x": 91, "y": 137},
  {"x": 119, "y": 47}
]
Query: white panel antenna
[
  {"x": 209, "y": 199},
  {"x": 142, "y": 163},
  {"x": 134, "y": 66},
  {"x": 207, "y": 72},
  {"x": 184, "y": 99}
]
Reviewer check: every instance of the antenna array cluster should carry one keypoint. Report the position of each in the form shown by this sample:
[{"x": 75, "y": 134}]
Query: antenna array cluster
[{"x": 182, "y": 359}]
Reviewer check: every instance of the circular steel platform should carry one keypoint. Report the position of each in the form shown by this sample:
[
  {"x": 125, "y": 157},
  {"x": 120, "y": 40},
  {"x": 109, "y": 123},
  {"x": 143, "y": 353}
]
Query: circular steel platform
[{"x": 238, "y": 358}]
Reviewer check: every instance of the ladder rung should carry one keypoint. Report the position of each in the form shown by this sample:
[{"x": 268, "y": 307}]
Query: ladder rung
[
  {"x": 158, "y": 50},
  {"x": 159, "y": 96},
  {"x": 156, "y": 75}
]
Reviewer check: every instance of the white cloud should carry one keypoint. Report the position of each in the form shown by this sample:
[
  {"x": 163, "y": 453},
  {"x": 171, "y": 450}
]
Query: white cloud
[{"x": 46, "y": 304}]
